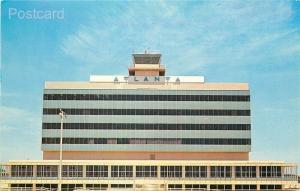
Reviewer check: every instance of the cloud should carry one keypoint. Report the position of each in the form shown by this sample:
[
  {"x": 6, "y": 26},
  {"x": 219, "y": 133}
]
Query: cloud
[
  {"x": 197, "y": 35},
  {"x": 12, "y": 119},
  {"x": 20, "y": 132}
]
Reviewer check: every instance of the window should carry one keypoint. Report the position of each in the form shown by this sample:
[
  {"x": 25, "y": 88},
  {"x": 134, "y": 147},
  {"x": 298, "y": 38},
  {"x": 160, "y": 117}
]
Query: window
[
  {"x": 245, "y": 171},
  {"x": 220, "y": 171},
  {"x": 121, "y": 186},
  {"x": 22, "y": 171},
  {"x": 241, "y": 187},
  {"x": 70, "y": 187},
  {"x": 196, "y": 171},
  {"x": 195, "y": 187},
  {"x": 96, "y": 171},
  {"x": 130, "y": 97},
  {"x": 97, "y": 186},
  {"x": 148, "y": 126},
  {"x": 21, "y": 186},
  {"x": 121, "y": 171},
  {"x": 146, "y": 171},
  {"x": 47, "y": 171},
  {"x": 174, "y": 187},
  {"x": 47, "y": 186},
  {"x": 72, "y": 171},
  {"x": 171, "y": 171},
  {"x": 270, "y": 187},
  {"x": 185, "y": 141},
  {"x": 78, "y": 111},
  {"x": 226, "y": 187},
  {"x": 270, "y": 171}
]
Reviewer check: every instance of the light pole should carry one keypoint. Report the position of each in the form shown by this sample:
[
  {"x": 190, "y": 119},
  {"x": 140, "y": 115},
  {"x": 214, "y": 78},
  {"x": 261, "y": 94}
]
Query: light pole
[{"x": 62, "y": 116}]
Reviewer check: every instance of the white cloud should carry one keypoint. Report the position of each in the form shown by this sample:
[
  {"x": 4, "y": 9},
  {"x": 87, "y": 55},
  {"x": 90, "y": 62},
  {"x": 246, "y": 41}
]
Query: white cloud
[
  {"x": 13, "y": 118},
  {"x": 210, "y": 32},
  {"x": 20, "y": 132}
]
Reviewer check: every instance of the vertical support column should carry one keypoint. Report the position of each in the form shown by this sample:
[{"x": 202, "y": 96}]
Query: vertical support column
[
  {"x": 257, "y": 177},
  {"x": 109, "y": 177},
  {"x": 9, "y": 170},
  {"x": 34, "y": 170},
  {"x": 158, "y": 172},
  {"x": 34, "y": 173},
  {"x": 257, "y": 172},
  {"x": 233, "y": 177},
  {"x": 134, "y": 176},
  {"x": 133, "y": 171},
  {"x": 84, "y": 171},
  {"x": 166, "y": 186},
  {"x": 109, "y": 171},
  {"x": 232, "y": 186},
  {"x": 183, "y": 172},
  {"x": 208, "y": 171},
  {"x": 208, "y": 176},
  {"x": 282, "y": 171},
  {"x": 233, "y": 172},
  {"x": 84, "y": 175}
]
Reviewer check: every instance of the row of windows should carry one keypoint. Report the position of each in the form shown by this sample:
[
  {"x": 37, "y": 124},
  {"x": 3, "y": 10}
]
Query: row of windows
[
  {"x": 184, "y": 141},
  {"x": 72, "y": 171},
  {"x": 209, "y": 112},
  {"x": 96, "y": 171},
  {"x": 97, "y": 186},
  {"x": 147, "y": 171},
  {"x": 245, "y": 171},
  {"x": 47, "y": 171},
  {"x": 220, "y": 171},
  {"x": 270, "y": 171},
  {"x": 270, "y": 187},
  {"x": 221, "y": 187},
  {"x": 21, "y": 186},
  {"x": 171, "y": 171},
  {"x": 121, "y": 186},
  {"x": 22, "y": 171},
  {"x": 121, "y": 171},
  {"x": 195, "y": 186},
  {"x": 245, "y": 187},
  {"x": 148, "y": 126},
  {"x": 196, "y": 171},
  {"x": 146, "y": 97},
  {"x": 72, "y": 187},
  {"x": 42, "y": 187}
]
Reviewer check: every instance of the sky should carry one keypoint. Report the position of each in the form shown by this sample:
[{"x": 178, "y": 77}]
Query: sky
[{"x": 257, "y": 42}]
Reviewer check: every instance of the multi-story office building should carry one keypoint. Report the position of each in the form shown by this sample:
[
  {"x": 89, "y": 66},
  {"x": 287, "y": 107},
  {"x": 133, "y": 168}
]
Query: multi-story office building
[
  {"x": 148, "y": 131},
  {"x": 147, "y": 115}
]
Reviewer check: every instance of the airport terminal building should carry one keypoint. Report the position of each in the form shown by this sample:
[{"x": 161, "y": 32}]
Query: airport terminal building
[{"x": 147, "y": 131}]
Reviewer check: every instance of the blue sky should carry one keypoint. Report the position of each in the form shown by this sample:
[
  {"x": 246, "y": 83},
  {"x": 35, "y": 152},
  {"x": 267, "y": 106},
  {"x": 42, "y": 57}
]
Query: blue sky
[{"x": 226, "y": 41}]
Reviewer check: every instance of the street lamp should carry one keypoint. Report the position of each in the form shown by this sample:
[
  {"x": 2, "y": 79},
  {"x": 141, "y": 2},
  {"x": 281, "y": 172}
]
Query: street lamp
[{"x": 62, "y": 115}]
